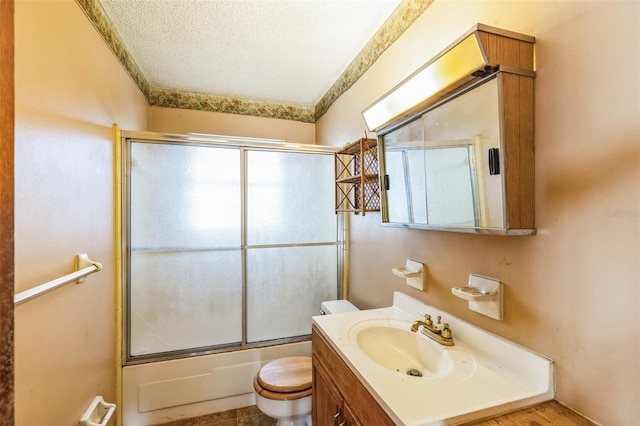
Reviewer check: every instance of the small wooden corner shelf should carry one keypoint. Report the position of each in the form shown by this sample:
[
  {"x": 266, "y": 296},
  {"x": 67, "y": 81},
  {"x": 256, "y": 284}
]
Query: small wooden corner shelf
[{"x": 357, "y": 185}]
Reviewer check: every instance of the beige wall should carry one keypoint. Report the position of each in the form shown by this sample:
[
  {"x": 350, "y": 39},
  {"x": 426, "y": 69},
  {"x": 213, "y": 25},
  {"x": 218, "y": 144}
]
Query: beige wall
[
  {"x": 172, "y": 120},
  {"x": 70, "y": 89},
  {"x": 572, "y": 291}
]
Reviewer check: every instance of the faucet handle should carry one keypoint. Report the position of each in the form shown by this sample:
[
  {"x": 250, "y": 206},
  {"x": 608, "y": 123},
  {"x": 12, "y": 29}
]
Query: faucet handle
[
  {"x": 428, "y": 320},
  {"x": 446, "y": 331}
]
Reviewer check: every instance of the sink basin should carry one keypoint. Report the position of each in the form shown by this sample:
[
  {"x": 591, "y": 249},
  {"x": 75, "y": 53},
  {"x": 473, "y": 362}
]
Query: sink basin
[
  {"x": 393, "y": 346},
  {"x": 480, "y": 376}
]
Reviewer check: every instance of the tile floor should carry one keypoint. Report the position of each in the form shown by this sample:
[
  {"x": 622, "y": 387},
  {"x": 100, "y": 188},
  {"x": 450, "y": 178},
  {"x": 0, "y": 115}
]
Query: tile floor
[{"x": 246, "y": 416}]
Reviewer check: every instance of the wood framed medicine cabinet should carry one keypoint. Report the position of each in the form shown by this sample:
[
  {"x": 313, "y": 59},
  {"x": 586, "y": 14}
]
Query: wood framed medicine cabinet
[{"x": 464, "y": 160}]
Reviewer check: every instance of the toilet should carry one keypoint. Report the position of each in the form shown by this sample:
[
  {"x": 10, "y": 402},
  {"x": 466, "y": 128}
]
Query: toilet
[{"x": 283, "y": 386}]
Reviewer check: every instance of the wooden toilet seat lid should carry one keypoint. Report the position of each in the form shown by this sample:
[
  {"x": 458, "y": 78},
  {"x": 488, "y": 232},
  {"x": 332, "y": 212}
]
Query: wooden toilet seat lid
[
  {"x": 279, "y": 396},
  {"x": 289, "y": 374}
]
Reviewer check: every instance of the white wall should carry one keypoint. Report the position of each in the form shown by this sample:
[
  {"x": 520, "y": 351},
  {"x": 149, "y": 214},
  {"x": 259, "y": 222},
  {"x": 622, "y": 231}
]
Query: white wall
[
  {"x": 70, "y": 89},
  {"x": 572, "y": 291}
]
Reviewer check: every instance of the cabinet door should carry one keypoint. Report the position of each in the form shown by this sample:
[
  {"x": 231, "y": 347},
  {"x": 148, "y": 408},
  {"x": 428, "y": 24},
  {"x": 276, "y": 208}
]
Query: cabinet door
[
  {"x": 350, "y": 419},
  {"x": 345, "y": 386},
  {"x": 327, "y": 402}
]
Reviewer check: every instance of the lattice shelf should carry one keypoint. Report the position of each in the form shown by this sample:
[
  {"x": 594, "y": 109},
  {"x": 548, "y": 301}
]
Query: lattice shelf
[{"x": 357, "y": 185}]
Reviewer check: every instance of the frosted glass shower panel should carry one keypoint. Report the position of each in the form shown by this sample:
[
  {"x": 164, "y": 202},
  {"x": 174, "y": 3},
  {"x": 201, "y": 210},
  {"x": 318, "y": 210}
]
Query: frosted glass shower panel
[
  {"x": 226, "y": 245},
  {"x": 183, "y": 300},
  {"x": 184, "y": 196},
  {"x": 290, "y": 198},
  {"x": 285, "y": 287}
]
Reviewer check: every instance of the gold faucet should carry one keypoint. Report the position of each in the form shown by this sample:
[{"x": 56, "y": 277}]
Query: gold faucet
[{"x": 441, "y": 335}]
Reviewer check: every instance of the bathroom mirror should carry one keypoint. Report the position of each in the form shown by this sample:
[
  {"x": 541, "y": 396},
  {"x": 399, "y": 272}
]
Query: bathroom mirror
[{"x": 444, "y": 168}]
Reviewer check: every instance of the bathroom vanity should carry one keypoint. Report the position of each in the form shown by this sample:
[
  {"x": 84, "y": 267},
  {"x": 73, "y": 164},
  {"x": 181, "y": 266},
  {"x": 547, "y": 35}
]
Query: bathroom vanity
[
  {"x": 338, "y": 395},
  {"x": 369, "y": 368}
]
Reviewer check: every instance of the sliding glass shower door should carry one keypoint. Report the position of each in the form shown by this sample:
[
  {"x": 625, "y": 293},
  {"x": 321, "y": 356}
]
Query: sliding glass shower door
[
  {"x": 185, "y": 258},
  {"x": 291, "y": 242},
  {"x": 228, "y": 246}
]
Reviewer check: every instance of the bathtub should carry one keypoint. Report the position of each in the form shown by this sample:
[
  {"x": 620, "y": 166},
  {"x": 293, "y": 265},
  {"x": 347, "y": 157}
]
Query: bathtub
[{"x": 178, "y": 389}]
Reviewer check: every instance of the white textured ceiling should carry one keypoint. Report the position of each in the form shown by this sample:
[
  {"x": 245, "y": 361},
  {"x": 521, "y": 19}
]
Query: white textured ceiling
[{"x": 288, "y": 51}]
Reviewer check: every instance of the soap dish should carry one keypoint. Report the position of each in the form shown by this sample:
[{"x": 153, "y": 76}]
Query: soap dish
[
  {"x": 484, "y": 295},
  {"x": 413, "y": 272},
  {"x": 472, "y": 294}
]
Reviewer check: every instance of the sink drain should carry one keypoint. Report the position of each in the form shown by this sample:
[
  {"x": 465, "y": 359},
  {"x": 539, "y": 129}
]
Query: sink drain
[{"x": 413, "y": 372}]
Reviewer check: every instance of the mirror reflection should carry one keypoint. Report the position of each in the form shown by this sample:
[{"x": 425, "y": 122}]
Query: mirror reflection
[{"x": 442, "y": 169}]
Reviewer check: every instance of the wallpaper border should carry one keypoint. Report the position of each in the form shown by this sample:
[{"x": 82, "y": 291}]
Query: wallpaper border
[{"x": 405, "y": 14}]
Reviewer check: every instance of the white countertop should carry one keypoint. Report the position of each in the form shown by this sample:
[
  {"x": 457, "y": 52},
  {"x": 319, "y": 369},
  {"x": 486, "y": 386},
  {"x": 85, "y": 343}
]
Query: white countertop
[{"x": 490, "y": 375}]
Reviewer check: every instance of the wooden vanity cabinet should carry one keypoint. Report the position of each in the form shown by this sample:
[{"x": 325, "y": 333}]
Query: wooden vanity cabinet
[
  {"x": 329, "y": 408},
  {"x": 339, "y": 398}
]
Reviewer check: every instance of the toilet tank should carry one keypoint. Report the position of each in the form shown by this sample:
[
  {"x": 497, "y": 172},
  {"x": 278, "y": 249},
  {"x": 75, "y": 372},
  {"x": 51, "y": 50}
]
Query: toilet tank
[{"x": 336, "y": 307}]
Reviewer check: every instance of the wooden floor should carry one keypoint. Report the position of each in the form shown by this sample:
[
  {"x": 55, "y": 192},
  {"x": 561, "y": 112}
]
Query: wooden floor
[{"x": 550, "y": 413}]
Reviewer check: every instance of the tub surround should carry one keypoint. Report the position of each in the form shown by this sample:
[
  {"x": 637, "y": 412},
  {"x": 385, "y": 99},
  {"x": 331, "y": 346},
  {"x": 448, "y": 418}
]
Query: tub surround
[
  {"x": 490, "y": 375},
  {"x": 188, "y": 388}
]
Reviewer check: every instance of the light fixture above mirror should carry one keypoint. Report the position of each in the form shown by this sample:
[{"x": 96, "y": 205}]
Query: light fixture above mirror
[{"x": 476, "y": 54}]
